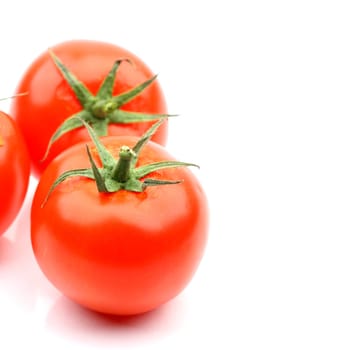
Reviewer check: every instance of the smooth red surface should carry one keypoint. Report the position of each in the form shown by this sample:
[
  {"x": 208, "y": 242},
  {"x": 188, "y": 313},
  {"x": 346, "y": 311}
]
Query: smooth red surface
[
  {"x": 124, "y": 252},
  {"x": 14, "y": 171},
  {"x": 50, "y": 99}
]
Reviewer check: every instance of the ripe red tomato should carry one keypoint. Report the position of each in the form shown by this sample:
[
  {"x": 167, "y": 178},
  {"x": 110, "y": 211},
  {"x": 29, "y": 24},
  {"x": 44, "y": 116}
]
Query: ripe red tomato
[
  {"x": 50, "y": 100},
  {"x": 123, "y": 252},
  {"x": 14, "y": 171}
]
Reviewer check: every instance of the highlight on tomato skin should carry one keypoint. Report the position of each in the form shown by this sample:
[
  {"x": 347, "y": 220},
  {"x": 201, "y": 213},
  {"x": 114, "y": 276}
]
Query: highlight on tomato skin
[
  {"x": 51, "y": 99},
  {"x": 122, "y": 252},
  {"x": 14, "y": 171}
]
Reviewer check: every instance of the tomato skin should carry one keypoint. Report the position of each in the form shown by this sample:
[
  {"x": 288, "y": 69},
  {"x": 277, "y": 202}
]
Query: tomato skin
[
  {"x": 14, "y": 171},
  {"x": 50, "y": 99},
  {"x": 124, "y": 252}
]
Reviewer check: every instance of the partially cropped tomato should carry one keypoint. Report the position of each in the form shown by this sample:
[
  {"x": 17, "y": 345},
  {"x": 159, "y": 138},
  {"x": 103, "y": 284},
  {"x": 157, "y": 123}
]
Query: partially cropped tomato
[
  {"x": 68, "y": 82},
  {"x": 14, "y": 171},
  {"x": 129, "y": 248}
]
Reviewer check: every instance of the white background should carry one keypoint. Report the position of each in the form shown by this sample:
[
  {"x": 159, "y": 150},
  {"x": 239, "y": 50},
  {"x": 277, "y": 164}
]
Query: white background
[{"x": 263, "y": 93}]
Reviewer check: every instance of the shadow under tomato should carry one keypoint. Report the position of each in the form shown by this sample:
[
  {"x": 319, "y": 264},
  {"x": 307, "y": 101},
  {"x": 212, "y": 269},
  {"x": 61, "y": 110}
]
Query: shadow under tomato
[
  {"x": 21, "y": 278},
  {"x": 81, "y": 325},
  {"x": 16, "y": 262},
  {"x": 6, "y": 248}
]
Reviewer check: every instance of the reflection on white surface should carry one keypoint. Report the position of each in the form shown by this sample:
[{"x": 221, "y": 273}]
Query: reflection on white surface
[
  {"x": 31, "y": 302},
  {"x": 74, "y": 323},
  {"x": 18, "y": 268}
]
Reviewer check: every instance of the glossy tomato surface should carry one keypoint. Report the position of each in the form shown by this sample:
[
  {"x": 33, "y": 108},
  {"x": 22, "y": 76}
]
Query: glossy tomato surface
[
  {"x": 51, "y": 100},
  {"x": 14, "y": 171},
  {"x": 123, "y": 252}
]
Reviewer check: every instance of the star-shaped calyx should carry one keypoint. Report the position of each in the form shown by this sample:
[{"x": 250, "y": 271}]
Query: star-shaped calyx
[
  {"x": 103, "y": 108},
  {"x": 121, "y": 173}
]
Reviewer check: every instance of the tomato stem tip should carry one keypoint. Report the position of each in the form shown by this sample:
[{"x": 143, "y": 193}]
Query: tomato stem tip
[{"x": 121, "y": 171}]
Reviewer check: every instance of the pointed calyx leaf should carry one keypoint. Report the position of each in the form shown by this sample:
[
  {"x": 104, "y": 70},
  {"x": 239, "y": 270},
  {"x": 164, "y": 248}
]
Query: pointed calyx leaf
[
  {"x": 144, "y": 139},
  {"x": 101, "y": 186},
  {"x": 103, "y": 108},
  {"x": 150, "y": 168},
  {"x": 126, "y": 117},
  {"x": 106, "y": 158},
  {"x": 88, "y": 173},
  {"x": 106, "y": 88},
  {"x": 7, "y": 98},
  {"x": 121, "y": 173},
  {"x": 122, "y": 99},
  {"x": 68, "y": 125},
  {"x": 156, "y": 182},
  {"x": 81, "y": 91},
  {"x": 14, "y": 96},
  {"x": 4, "y": 99}
]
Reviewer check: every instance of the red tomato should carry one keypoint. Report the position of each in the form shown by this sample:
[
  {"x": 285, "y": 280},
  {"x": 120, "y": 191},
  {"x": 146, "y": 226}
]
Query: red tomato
[
  {"x": 122, "y": 252},
  {"x": 50, "y": 100},
  {"x": 14, "y": 171}
]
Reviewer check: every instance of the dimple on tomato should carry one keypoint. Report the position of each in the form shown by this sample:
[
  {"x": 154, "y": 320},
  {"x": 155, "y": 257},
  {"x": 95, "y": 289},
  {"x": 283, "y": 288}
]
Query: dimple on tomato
[
  {"x": 122, "y": 238},
  {"x": 14, "y": 171},
  {"x": 68, "y": 82}
]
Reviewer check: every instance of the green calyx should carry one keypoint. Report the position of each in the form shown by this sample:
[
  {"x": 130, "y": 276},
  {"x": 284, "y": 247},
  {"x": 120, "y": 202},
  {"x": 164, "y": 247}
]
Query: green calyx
[
  {"x": 104, "y": 108},
  {"x": 121, "y": 173}
]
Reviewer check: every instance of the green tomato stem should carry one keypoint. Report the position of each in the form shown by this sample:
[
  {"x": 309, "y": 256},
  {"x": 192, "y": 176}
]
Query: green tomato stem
[
  {"x": 115, "y": 175},
  {"x": 102, "y": 108},
  {"x": 121, "y": 172}
]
